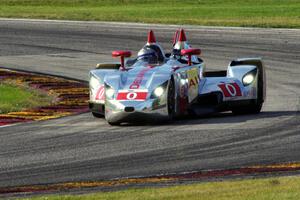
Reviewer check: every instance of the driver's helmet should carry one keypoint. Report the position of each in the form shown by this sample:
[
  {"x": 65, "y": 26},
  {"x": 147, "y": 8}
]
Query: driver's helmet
[{"x": 148, "y": 55}]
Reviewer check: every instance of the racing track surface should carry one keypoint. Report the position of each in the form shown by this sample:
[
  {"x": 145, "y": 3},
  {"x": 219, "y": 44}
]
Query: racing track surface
[{"x": 80, "y": 148}]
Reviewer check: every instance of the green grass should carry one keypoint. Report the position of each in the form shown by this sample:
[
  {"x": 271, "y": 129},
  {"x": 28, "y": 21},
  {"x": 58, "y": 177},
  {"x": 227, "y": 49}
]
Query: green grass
[
  {"x": 250, "y": 13},
  {"x": 252, "y": 189},
  {"x": 16, "y": 98}
]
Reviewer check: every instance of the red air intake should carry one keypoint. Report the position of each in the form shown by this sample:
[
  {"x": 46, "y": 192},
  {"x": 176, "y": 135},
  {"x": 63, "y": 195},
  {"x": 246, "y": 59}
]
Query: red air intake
[
  {"x": 151, "y": 37},
  {"x": 182, "y": 37}
]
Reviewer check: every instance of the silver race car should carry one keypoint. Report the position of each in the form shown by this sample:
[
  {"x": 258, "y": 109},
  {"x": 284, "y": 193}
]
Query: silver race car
[{"x": 155, "y": 85}]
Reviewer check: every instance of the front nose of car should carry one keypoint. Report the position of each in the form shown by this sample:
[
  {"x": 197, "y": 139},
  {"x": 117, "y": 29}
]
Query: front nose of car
[{"x": 133, "y": 111}]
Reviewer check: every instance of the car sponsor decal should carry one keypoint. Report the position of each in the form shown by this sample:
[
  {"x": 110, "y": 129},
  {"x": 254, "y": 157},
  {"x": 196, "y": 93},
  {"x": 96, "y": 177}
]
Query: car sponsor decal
[
  {"x": 100, "y": 93},
  {"x": 132, "y": 95},
  {"x": 230, "y": 89},
  {"x": 139, "y": 78},
  {"x": 193, "y": 81}
]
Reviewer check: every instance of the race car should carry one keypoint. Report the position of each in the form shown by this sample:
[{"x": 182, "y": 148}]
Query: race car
[{"x": 155, "y": 85}]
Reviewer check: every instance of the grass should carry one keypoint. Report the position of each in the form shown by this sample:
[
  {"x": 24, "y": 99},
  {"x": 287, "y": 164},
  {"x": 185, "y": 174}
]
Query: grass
[
  {"x": 254, "y": 189},
  {"x": 250, "y": 13},
  {"x": 16, "y": 98}
]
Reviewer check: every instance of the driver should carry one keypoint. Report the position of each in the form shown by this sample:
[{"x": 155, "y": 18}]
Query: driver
[
  {"x": 148, "y": 55},
  {"x": 151, "y": 53},
  {"x": 180, "y": 43}
]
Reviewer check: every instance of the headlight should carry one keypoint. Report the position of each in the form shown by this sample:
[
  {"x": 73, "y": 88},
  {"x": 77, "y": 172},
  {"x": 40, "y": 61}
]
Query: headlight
[
  {"x": 158, "y": 91},
  {"x": 94, "y": 82},
  {"x": 110, "y": 92},
  {"x": 249, "y": 77}
]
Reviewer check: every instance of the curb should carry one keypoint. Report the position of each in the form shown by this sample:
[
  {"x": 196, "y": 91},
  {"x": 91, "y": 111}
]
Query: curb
[{"x": 71, "y": 96}]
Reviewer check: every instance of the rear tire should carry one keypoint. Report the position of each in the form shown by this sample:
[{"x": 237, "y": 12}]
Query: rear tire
[{"x": 253, "y": 108}]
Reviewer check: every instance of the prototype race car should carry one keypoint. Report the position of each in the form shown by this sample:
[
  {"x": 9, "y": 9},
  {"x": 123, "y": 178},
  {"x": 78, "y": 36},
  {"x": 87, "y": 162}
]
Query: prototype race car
[{"x": 166, "y": 86}]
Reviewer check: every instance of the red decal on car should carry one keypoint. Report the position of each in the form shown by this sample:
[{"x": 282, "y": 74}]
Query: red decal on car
[
  {"x": 132, "y": 96},
  {"x": 100, "y": 93},
  {"x": 230, "y": 89},
  {"x": 139, "y": 78}
]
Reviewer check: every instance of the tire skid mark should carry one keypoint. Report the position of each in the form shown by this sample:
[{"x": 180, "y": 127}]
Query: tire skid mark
[
  {"x": 272, "y": 169},
  {"x": 71, "y": 96}
]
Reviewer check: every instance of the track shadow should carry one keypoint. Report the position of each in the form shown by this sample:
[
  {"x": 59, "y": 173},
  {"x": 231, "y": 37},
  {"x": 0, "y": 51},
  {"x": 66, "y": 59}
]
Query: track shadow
[
  {"x": 225, "y": 117},
  {"x": 228, "y": 117}
]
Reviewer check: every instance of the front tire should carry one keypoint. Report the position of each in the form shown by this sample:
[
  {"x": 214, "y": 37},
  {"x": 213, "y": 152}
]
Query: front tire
[
  {"x": 171, "y": 100},
  {"x": 97, "y": 115},
  {"x": 114, "y": 123},
  {"x": 97, "y": 110}
]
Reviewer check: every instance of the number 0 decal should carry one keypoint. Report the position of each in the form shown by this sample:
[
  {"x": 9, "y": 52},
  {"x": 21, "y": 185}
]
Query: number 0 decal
[
  {"x": 131, "y": 96},
  {"x": 230, "y": 89},
  {"x": 136, "y": 95}
]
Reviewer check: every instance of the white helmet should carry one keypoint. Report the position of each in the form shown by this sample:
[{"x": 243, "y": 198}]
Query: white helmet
[{"x": 147, "y": 54}]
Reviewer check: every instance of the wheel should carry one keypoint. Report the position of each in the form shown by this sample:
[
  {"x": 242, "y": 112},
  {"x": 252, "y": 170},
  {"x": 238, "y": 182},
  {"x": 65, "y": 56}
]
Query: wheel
[
  {"x": 114, "y": 123},
  {"x": 97, "y": 115},
  {"x": 171, "y": 99},
  {"x": 253, "y": 108}
]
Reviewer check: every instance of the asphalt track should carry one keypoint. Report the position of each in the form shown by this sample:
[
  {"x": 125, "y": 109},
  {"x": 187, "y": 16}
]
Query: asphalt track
[{"x": 82, "y": 148}]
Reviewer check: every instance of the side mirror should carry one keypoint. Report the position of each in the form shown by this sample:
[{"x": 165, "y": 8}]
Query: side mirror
[
  {"x": 189, "y": 53},
  {"x": 122, "y": 54}
]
